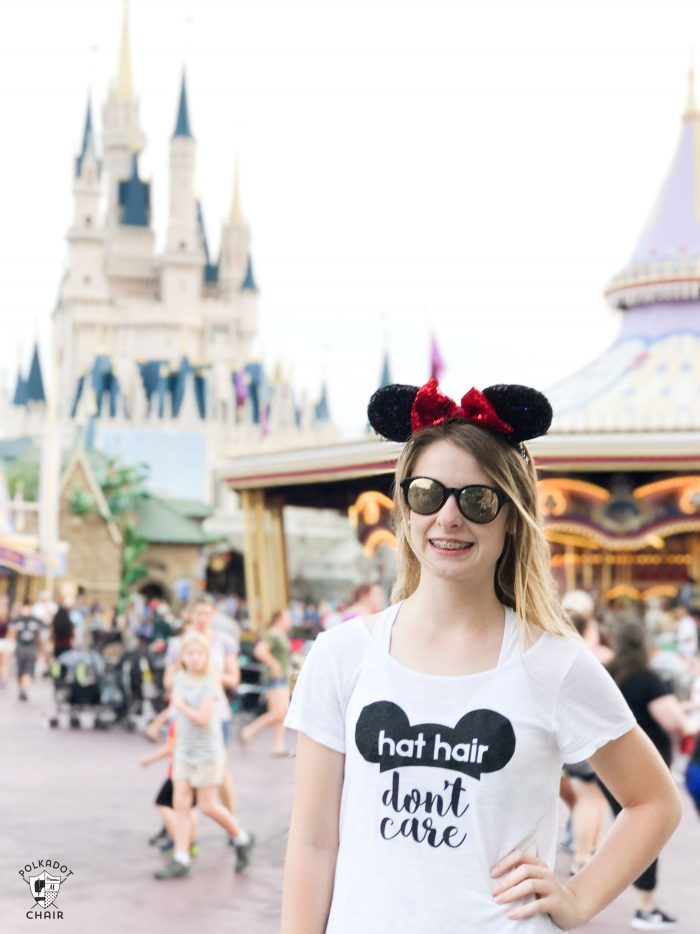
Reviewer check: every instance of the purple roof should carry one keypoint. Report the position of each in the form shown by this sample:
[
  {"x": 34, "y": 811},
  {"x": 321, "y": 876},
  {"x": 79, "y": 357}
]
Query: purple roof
[{"x": 673, "y": 229}]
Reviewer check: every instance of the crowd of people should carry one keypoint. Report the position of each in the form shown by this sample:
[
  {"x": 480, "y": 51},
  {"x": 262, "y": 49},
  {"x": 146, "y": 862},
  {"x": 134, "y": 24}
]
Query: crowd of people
[{"x": 653, "y": 655}]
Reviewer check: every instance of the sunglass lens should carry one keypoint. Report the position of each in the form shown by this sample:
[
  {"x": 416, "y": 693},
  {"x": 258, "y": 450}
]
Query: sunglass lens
[
  {"x": 425, "y": 496},
  {"x": 479, "y": 503}
]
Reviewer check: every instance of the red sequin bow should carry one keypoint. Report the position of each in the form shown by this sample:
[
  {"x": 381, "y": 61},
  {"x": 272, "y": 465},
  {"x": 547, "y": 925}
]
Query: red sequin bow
[{"x": 431, "y": 407}]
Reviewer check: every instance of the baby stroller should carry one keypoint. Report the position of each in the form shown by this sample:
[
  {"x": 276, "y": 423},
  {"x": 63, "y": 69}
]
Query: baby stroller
[
  {"x": 142, "y": 682},
  {"x": 77, "y": 676}
]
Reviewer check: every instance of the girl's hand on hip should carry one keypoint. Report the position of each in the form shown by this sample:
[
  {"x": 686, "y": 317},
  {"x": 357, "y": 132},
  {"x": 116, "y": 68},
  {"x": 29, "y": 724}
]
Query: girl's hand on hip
[{"x": 522, "y": 875}]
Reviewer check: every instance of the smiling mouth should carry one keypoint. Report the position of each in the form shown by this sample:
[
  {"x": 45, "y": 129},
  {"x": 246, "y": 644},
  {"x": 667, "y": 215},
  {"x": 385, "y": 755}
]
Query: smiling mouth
[{"x": 443, "y": 544}]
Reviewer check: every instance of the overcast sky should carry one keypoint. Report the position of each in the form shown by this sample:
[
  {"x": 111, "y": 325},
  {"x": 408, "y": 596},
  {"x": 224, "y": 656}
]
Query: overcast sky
[{"x": 478, "y": 168}]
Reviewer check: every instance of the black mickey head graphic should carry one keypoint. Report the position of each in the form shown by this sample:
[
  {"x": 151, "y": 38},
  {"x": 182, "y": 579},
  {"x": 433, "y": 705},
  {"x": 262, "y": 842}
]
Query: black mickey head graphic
[{"x": 481, "y": 741}]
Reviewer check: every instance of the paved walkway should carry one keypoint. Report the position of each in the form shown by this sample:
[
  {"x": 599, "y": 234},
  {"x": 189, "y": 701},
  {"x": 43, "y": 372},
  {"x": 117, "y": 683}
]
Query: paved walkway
[{"x": 82, "y": 798}]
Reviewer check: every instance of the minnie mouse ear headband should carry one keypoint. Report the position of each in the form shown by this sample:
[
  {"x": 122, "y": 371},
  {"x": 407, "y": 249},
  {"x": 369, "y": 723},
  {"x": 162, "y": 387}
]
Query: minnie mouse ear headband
[{"x": 516, "y": 412}]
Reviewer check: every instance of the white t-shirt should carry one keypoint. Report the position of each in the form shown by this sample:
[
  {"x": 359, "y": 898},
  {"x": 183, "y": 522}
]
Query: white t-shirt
[{"x": 444, "y": 776}]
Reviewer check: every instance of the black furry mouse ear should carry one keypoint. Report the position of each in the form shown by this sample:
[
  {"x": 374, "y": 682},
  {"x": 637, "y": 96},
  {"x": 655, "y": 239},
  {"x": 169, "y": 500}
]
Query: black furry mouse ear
[
  {"x": 389, "y": 411},
  {"x": 526, "y": 410}
]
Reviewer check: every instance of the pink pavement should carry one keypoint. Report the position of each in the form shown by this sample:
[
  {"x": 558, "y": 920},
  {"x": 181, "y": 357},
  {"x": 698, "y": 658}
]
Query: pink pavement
[{"x": 81, "y": 797}]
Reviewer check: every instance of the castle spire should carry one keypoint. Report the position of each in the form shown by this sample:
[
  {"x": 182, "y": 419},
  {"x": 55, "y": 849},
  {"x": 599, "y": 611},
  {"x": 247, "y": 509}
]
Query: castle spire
[
  {"x": 88, "y": 144},
  {"x": 236, "y": 211},
  {"x": 124, "y": 86},
  {"x": 691, "y": 107},
  {"x": 34, "y": 385},
  {"x": 182, "y": 123}
]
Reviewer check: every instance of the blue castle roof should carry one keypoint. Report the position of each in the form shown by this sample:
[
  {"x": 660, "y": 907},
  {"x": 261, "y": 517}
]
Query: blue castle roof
[
  {"x": 34, "y": 385},
  {"x": 182, "y": 123},
  {"x": 135, "y": 198},
  {"x": 88, "y": 140},
  {"x": 211, "y": 270},
  {"x": 249, "y": 281},
  {"x": 323, "y": 412},
  {"x": 20, "y": 396}
]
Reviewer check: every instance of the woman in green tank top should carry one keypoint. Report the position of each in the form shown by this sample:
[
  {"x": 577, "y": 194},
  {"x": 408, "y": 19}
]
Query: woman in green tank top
[{"x": 274, "y": 652}]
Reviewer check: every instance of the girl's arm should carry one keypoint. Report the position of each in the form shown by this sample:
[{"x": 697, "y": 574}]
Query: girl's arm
[
  {"x": 231, "y": 677},
  {"x": 200, "y": 716},
  {"x": 637, "y": 777},
  {"x": 635, "y": 774},
  {"x": 312, "y": 849},
  {"x": 163, "y": 753},
  {"x": 263, "y": 653},
  {"x": 668, "y": 713}
]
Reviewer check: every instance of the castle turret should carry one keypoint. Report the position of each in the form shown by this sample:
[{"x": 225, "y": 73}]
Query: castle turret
[
  {"x": 85, "y": 290},
  {"x": 235, "y": 245},
  {"x": 183, "y": 260},
  {"x": 122, "y": 131},
  {"x": 85, "y": 279}
]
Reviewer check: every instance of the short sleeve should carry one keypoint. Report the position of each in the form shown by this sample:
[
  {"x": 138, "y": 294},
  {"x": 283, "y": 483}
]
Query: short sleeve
[
  {"x": 316, "y": 707},
  {"x": 590, "y": 710}
]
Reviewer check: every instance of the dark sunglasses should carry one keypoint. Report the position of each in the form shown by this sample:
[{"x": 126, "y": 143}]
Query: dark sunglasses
[{"x": 476, "y": 502}]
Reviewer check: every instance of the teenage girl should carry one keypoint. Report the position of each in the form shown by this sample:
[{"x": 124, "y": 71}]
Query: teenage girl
[{"x": 432, "y": 735}]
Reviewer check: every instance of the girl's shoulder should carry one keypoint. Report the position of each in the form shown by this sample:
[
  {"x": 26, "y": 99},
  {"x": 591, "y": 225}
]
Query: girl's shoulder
[
  {"x": 550, "y": 653},
  {"x": 369, "y": 622},
  {"x": 345, "y": 645}
]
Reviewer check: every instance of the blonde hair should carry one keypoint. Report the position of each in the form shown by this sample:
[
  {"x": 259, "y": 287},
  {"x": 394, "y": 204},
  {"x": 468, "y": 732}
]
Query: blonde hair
[
  {"x": 193, "y": 637},
  {"x": 523, "y": 579}
]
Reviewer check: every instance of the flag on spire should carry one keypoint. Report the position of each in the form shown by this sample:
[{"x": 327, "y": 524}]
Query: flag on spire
[
  {"x": 437, "y": 364},
  {"x": 241, "y": 385}
]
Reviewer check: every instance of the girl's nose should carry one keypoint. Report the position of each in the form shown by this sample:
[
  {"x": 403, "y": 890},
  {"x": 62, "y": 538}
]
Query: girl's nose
[{"x": 450, "y": 515}]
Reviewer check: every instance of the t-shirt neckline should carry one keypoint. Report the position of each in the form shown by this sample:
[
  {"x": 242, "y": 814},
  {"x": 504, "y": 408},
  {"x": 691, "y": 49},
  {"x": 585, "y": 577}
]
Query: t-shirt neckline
[{"x": 381, "y": 637}]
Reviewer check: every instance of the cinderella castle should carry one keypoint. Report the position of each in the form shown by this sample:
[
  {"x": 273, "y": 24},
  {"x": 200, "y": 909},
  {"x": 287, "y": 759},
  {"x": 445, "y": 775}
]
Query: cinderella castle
[{"x": 152, "y": 350}]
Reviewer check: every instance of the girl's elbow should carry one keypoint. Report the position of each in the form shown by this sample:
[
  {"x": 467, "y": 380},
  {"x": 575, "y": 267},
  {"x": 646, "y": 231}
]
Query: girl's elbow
[
  {"x": 669, "y": 809},
  {"x": 675, "y": 809}
]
